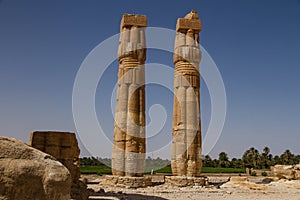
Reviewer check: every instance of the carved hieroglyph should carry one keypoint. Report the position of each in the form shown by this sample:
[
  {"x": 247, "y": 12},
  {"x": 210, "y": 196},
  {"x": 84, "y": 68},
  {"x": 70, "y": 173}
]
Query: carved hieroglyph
[
  {"x": 186, "y": 140},
  {"x": 128, "y": 154}
]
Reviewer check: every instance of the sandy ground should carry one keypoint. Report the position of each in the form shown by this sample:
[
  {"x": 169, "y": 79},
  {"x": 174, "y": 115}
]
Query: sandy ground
[{"x": 280, "y": 190}]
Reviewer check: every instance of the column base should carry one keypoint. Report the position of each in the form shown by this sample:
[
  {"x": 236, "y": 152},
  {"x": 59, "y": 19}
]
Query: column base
[
  {"x": 184, "y": 181},
  {"x": 126, "y": 181}
]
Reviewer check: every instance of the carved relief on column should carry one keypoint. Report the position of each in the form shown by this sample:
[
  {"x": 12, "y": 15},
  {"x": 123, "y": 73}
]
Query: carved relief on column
[
  {"x": 128, "y": 156},
  {"x": 186, "y": 144}
]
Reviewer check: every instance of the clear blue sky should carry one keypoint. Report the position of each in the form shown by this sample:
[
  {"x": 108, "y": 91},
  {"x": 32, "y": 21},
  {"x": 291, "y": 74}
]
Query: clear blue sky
[{"x": 255, "y": 44}]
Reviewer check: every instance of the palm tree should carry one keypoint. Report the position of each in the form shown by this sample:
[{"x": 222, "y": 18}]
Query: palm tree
[
  {"x": 265, "y": 162},
  {"x": 223, "y": 160},
  {"x": 287, "y": 157},
  {"x": 236, "y": 163},
  {"x": 251, "y": 158},
  {"x": 266, "y": 150}
]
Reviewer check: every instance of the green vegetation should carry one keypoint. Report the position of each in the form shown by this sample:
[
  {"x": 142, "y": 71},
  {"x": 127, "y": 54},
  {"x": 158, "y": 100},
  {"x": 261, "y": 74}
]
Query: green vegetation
[
  {"x": 251, "y": 159},
  {"x": 222, "y": 170},
  {"x": 100, "y": 170},
  {"x": 103, "y": 169},
  {"x": 264, "y": 174},
  {"x": 253, "y": 173}
]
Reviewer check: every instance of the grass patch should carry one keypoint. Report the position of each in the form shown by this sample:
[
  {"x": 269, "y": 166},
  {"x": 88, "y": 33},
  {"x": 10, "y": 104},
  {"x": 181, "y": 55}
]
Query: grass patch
[
  {"x": 222, "y": 170},
  {"x": 103, "y": 169},
  {"x": 168, "y": 170},
  {"x": 100, "y": 170}
]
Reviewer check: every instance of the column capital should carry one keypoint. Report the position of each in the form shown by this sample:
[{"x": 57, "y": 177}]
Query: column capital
[
  {"x": 190, "y": 21},
  {"x": 133, "y": 20}
]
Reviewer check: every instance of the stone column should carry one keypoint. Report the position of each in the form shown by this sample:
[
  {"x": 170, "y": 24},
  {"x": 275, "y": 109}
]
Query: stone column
[
  {"x": 186, "y": 141},
  {"x": 129, "y": 148}
]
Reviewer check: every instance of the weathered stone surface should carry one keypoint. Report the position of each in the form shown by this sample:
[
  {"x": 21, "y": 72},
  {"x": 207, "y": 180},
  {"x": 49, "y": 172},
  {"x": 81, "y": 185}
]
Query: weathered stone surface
[
  {"x": 286, "y": 183},
  {"x": 157, "y": 179},
  {"x": 238, "y": 182},
  {"x": 64, "y": 147},
  {"x": 27, "y": 173},
  {"x": 284, "y": 171},
  {"x": 129, "y": 148},
  {"x": 132, "y": 45},
  {"x": 190, "y": 21},
  {"x": 238, "y": 179},
  {"x": 183, "y": 181},
  {"x": 184, "y": 24},
  {"x": 125, "y": 181},
  {"x": 186, "y": 140},
  {"x": 133, "y": 20},
  {"x": 290, "y": 172}
]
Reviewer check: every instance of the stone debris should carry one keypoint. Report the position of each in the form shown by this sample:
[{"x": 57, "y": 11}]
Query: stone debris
[
  {"x": 279, "y": 190},
  {"x": 286, "y": 183},
  {"x": 27, "y": 173},
  {"x": 238, "y": 182},
  {"x": 290, "y": 172}
]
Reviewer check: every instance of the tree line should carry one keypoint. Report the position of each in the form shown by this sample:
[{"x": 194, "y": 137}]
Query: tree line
[
  {"x": 252, "y": 158},
  {"x": 92, "y": 161}
]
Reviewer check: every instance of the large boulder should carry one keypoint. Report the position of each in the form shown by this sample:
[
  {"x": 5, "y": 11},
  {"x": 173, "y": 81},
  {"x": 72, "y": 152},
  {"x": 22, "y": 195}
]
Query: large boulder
[{"x": 27, "y": 173}]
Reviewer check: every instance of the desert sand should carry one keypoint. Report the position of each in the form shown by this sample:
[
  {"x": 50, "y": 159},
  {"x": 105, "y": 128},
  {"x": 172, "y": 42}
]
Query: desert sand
[{"x": 219, "y": 188}]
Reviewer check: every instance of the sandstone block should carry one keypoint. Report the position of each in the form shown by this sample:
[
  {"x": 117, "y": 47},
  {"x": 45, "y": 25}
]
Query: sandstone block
[
  {"x": 133, "y": 20},
  {"x": 185, "y": 24},
  {"x": 183, "y": 181}
]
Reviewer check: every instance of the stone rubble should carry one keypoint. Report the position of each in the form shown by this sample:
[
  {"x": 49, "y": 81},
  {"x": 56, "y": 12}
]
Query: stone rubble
[{"x": 290, "y": 172}]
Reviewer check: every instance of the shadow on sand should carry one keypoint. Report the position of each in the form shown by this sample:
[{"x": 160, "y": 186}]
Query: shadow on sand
[{"x": 122, "y": 196}]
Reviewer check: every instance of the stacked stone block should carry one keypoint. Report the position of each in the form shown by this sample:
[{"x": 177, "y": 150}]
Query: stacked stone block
[{"x": 64, "y": 147}]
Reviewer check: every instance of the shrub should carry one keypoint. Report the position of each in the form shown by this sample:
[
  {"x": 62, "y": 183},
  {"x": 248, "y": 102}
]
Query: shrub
[
  {"x": 253, "y": 173},
  {"x": 264, "y": 174}
]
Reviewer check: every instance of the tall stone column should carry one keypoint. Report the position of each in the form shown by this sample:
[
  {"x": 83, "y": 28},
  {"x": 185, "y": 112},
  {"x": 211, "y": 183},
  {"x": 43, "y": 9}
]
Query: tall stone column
[
  {"x": 129, "y": 148},
  {"x": 186, "y": 140}
]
